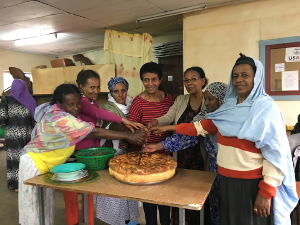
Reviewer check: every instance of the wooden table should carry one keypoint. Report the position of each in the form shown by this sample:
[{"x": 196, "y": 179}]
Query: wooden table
[{"x": 188, "y": 189}]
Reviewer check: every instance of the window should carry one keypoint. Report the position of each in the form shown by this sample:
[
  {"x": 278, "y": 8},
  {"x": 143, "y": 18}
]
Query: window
[{"x": 8, "y": 79}]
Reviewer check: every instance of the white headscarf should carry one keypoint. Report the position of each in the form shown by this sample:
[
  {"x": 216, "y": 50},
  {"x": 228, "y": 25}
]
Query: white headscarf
[{"x": 124, "y": 108}]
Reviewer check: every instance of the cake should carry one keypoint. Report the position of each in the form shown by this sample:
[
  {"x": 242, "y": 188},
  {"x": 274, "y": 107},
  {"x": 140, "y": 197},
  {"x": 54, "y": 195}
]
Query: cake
[{"x": 153, "y": 167}]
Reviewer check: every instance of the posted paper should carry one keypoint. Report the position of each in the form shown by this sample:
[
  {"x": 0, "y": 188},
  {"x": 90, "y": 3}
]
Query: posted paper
[
  {"x": 279, "y": 67},
  {"x": 290, "y": 81}
]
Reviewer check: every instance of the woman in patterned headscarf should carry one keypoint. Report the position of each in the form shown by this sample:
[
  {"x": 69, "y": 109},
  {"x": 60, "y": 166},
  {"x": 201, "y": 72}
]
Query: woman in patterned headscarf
[
  {"x": 116, "y": 211},
  {"x": 214, "y": 98}
]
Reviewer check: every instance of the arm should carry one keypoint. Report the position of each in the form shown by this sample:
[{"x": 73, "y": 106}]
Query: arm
[
  {"x": 272, "y": 178},
  {"x": 202, "y": 128},
  {"x": 135, "y": 111},
  {"x": 138, "y": 138},
  {"x": 179, "y": 142},
  {"x": 170, "y": 116},
  {"x": 88, "y": 109}
]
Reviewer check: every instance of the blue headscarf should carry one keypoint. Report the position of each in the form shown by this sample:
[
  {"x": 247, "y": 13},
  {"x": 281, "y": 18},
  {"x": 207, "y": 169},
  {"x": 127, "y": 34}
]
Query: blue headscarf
[
  {"x": 115, "y": 80},
  {"x": 258, "y": 119}
]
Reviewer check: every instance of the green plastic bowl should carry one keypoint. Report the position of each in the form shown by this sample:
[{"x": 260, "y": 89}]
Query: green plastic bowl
[{"x": 86, "y": 157}]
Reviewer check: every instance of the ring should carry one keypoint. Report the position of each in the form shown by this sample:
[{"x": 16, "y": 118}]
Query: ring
[{"x": 255, "y": 209}]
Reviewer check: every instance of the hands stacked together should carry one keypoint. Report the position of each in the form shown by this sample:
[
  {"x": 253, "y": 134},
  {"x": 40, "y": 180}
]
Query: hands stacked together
[{"x": 140, "y": 134}]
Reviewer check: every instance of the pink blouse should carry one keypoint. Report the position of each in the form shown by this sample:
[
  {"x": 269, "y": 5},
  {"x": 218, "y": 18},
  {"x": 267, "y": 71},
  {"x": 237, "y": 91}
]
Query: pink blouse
[{"x": 90, "y": 113}]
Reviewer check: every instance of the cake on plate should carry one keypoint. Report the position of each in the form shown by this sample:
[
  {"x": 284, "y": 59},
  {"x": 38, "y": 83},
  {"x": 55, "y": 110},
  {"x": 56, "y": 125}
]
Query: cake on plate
[{"x": 153, "y": 167}]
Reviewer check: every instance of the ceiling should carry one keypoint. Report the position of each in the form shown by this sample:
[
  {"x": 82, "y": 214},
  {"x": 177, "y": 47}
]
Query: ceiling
[{"x": 84, "y": 21}]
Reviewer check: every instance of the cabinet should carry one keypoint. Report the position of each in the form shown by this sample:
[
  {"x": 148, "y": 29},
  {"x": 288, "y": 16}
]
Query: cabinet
[{"x": 46, "y": 80}]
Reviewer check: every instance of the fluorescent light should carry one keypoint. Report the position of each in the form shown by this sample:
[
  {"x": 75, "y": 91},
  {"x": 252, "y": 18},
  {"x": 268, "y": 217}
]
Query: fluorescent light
[
  {"x": 25, "y": 33},
  {"x": 172, "y": 13},
  {"x": 39, "y": 40}
]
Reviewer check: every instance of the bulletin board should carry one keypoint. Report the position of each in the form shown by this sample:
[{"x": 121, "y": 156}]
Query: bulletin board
[{"x": 282, "y": 75}]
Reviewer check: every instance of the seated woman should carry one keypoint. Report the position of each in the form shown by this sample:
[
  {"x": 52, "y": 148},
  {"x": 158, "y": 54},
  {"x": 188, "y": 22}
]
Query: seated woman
[
  {"x": 257, "y": 183},
  {"x": 214, "y": 97},
  {"x": 53, "y": 141},
  {"x": 150, "y": 104},
  {"x": 116, "y": 211},
  {"x": 184, "y": 110},
  {"x": 89, "y": 83}
]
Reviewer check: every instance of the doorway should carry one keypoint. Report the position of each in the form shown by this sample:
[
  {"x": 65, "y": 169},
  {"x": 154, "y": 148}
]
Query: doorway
[{"x": 172, "y": 68}]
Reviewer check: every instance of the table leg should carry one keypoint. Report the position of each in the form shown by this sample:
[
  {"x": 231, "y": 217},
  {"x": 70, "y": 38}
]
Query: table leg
[
  {"x": 202, "y": 216},
  {"x": 41, "y": 204},
  {"x": 181, "y": 216},
  {"x": 86, "y": 209}
]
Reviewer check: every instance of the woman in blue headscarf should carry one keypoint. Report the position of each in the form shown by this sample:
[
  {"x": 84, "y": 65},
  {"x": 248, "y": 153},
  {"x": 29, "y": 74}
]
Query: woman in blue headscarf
[
  {"x": 257, "y": 184},
  {"x": 16, "y": 113},
  {"x": 116, "y": 211}
]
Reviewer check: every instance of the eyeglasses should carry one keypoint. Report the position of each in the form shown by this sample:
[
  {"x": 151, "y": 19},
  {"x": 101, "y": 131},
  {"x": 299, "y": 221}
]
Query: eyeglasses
[{"x": 192, "y": 80}]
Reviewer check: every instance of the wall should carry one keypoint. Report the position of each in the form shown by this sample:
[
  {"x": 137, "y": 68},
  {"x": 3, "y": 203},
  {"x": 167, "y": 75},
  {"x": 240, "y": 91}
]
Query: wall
[
  {"x": 21, "y": 60},
  {"x": 213, "y": 38}
]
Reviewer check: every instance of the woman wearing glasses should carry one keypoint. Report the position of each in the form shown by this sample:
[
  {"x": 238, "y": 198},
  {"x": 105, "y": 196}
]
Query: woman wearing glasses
[{"x": 184, "y": 109}]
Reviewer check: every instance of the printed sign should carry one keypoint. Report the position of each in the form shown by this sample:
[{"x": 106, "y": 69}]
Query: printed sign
[{"x": 292, "y": 54}]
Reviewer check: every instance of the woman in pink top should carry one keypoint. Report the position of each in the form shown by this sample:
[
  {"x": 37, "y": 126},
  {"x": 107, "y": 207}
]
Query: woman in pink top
[{"x": 89, "y": 83}]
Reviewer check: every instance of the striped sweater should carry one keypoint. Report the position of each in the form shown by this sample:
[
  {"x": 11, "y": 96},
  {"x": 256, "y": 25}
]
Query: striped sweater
[
  {"x": 143, "y": 111},
  {"x": 238, "y": 158}
]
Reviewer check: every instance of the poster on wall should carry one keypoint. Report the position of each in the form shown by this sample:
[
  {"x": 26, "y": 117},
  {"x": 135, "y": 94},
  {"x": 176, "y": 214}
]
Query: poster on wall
[
  {"x": 290, "y": 81},
  {"x": 292, "y": 54}
]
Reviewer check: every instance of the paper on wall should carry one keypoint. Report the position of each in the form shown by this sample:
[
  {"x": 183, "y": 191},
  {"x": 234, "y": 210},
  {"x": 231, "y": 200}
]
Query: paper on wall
[
  {"x": 290, "y": 81},
  {"x": 292, "y": 54},
  {"x": 279, "y": 67}
]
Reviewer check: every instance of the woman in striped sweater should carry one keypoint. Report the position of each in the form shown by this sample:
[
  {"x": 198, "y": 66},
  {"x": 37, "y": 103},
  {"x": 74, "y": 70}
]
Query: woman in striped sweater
[
  {"x": 150, "y": 104},
  {"x": 257, "y": 184}
]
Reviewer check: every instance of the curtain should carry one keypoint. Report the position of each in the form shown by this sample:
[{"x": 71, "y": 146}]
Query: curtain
[{"x": 129, "y": 52}]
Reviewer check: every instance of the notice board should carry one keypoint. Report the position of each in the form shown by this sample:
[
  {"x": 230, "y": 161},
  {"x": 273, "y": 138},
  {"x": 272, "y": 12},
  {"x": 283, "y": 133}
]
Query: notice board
[{"x": 283, "y": 69}]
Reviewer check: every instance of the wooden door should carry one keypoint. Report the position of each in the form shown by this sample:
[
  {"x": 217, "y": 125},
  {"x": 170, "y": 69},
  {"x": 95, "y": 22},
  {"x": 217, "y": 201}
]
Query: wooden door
[{"x": 172, "y": 68}]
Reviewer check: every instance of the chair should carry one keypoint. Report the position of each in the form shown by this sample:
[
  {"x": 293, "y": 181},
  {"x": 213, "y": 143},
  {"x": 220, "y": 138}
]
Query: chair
[{"x": 61, "y": 63}]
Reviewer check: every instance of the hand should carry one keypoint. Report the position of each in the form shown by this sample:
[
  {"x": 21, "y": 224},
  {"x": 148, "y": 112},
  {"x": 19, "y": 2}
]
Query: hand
[
  {"x": 151, "y": 124},
  {"x": 124, "y": 145},
  {"x": 153, "y": 147},
  {"x": 139, "y": 137},
  {"x": 108, "y": 144},
  {"x": 262, "y": 206},
  {"x": 157, "y": 130},
  {"x": 131, "y": 124}
]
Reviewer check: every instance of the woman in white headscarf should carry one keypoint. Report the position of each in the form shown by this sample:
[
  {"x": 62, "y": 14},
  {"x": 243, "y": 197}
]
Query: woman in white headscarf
[
  {"x": 257, "y": 183},
  {"x": 116, "y": 211}
]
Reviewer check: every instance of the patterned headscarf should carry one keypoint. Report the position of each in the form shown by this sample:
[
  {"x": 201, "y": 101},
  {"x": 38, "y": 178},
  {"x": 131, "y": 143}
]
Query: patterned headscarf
[
  {"x": 115, "y": 80},
  {"x": 218, "y": 90}
]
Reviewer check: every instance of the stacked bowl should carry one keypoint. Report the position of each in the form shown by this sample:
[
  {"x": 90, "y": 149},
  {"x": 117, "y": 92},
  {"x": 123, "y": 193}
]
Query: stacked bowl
[{"x": 69, "y": 172}]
